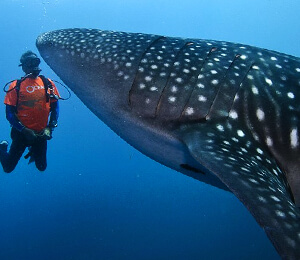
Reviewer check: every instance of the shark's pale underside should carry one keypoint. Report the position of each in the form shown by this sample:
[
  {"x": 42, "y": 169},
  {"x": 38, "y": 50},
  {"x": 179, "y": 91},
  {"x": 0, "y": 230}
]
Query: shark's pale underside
[{"x": 226, "y": 114}]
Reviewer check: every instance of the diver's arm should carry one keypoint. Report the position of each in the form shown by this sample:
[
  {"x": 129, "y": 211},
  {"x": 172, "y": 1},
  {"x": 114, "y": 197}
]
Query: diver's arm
[
  {"x": 12, "y": 118},
  {"x": 54, "y": 114}
]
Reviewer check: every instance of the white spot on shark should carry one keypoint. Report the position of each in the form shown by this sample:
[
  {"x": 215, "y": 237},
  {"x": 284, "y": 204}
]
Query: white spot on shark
[
  {"x": 153, "y": 88},
  {"x": 179, "y": 80},
  {"x": 279, "y": 213},
  {"x": 215, "y": 82},
  {"x": 294, "y": 138},
  {"x": 260, "y": 114},
  {"x": 254, "y": 90},
  {"x": 269, "y": 141},
  {"x": 172, "y": 99},
  {"x": 174, "y": 89},
  {"x": 240, "y": 133},
  {"x": 189, "y": 111},
  {"x": 275, "y": 198},
  {"x": 291, "y": 95},
  {"x": 148, "y": 78},
  {"x": 269, "y": 82},
  {"x": 233, "y": 114},
  {"x": 202, "y": 98},
  {"x": 220, "y": 128},
  {"x": 259, "y": 151}
]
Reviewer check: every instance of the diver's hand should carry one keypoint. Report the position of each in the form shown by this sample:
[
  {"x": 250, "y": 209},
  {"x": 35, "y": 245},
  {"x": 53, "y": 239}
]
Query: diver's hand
[
  {"x": 29, "y": 135},
  {"x": 47, "y": 133}
]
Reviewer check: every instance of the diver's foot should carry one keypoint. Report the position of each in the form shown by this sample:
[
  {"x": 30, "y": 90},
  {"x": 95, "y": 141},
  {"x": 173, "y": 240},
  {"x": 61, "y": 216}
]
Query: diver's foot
[{"x": 3, "y": 146}]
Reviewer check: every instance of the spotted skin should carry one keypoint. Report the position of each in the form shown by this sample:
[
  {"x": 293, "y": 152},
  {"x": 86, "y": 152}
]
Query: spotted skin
[
  {"x": 151, "y": 85},
  {"x": 226, "y": 114}
]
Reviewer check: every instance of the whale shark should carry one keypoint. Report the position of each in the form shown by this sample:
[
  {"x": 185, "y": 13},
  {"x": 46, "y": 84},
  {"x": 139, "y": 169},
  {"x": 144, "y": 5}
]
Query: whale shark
[{"x": 226, "y": 114}]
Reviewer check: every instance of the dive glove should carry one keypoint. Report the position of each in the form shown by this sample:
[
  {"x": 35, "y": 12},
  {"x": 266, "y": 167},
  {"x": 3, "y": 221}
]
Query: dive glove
[{"x": 47, "y": 133}]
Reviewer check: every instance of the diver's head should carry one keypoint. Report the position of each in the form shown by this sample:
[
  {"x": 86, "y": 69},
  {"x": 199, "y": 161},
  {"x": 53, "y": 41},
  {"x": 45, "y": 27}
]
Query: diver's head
[{"x": 30, "y": 63}]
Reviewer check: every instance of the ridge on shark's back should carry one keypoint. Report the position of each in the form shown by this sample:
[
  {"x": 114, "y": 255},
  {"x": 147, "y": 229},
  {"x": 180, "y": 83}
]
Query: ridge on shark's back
[{"x": 226, "y": 114}]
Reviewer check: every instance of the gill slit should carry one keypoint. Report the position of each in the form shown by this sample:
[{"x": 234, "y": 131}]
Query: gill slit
[
  {"x": 213, "y": 49},
  {"x": 222, "y": 84},
  {"x": 142, "y": 57},
  {"x": 238, "y": 89},
  {"x": 169, "y": 77}
]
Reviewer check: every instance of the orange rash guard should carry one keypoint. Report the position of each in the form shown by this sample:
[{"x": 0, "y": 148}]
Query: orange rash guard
[{"x": 32, "y": 106}]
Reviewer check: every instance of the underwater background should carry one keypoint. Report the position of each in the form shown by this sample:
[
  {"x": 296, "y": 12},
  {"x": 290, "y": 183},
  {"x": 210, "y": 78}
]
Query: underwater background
[{"x": 100, "y": 198}]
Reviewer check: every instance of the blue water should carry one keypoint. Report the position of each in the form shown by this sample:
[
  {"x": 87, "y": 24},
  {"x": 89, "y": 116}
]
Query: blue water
[{"x": 100, "y": 198}]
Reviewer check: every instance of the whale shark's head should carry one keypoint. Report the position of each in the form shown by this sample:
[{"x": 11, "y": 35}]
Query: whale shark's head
[
  {"x": 100, "y": 59},
  {"x": 120, "y": 77}
]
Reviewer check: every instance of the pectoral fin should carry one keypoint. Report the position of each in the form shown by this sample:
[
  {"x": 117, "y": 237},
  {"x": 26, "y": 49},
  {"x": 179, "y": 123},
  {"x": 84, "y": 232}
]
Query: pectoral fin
[{"x": 252, "y": 174}]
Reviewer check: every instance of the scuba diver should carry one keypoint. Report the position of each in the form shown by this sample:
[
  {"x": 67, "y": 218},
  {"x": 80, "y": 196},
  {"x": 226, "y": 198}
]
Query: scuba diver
[{"x": 32, "y": 111}]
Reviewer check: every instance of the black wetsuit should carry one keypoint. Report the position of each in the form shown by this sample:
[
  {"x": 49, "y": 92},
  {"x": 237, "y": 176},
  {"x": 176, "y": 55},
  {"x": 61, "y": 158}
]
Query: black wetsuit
[{"x": 38, "y": 151}]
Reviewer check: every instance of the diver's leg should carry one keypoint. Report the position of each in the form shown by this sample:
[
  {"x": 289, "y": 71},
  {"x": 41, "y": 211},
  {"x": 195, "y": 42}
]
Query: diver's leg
[
  {"x": 39, "y": 153},
  {"x": 9, "y": 160}
]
